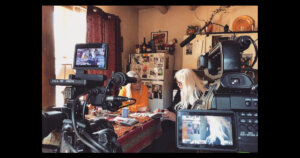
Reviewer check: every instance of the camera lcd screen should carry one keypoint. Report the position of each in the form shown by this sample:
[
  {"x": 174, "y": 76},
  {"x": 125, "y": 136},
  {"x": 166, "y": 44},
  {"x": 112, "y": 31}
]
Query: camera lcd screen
[
  {"x": 206, "y": 130},
  {"x": 91, "y": 56}
]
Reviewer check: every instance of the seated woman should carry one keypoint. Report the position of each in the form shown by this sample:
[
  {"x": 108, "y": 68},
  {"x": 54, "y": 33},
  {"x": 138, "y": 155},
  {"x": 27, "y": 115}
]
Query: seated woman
[
  {"x": 137, "y": 91},
  {"x": 191, "y": 88}
]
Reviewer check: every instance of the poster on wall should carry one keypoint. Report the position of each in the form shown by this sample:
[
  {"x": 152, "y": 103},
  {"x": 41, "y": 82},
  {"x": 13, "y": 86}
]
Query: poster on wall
[
  {"x": 160, "y": 38},
  {"x": 149, "y": 86},
  {"x": 189, "y": 48},
  {"x": 157, "y": 91}
]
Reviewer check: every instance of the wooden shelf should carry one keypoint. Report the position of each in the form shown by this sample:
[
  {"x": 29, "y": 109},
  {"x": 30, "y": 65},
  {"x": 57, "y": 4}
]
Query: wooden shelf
[{"x": 229, "y": 32}]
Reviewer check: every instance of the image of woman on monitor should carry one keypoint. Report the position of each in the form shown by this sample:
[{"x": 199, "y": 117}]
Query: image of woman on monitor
[{"x": 220, "y": 131}]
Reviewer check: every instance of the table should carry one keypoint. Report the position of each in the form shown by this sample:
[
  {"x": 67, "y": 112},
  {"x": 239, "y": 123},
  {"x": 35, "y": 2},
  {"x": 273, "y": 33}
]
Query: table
[
  {"x": 137, "y": 137},
  {"x": 131, "y": 138}
]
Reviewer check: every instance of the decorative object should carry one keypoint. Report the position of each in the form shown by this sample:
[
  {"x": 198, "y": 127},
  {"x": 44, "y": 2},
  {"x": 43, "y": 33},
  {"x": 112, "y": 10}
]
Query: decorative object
[
  {"x": 226, "y": 28},
  {"x": 160, "y": 38},
  {"x": 243, "y": 23},
  {"x": 209, "y": 27},
  {"x": 170, "y": 47},
  {"x": 191, "y": 29},
  {"x": 137, "y": 48},
  {"x": 219, "y": 10}
]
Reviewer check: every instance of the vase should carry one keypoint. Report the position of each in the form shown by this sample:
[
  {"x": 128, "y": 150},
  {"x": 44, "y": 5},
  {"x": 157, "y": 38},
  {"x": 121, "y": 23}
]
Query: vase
[{"x": 208, "y": 28}]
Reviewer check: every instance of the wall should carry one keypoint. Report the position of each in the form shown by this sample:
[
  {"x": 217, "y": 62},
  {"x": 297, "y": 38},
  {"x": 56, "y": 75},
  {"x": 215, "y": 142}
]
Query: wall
[
  {"x": 129, "y": 28},
  {"x": 176, "y": 20},
  {"x": 48, "y": 69}
]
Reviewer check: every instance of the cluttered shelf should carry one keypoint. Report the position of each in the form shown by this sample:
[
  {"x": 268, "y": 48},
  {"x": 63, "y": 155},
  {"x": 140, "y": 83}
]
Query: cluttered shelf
[{"x": 231, "y": 32}]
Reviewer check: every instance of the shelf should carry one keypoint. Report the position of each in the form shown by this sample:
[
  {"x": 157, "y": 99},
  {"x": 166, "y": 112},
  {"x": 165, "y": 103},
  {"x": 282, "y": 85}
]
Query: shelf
[{"x": 230, "y": 32}]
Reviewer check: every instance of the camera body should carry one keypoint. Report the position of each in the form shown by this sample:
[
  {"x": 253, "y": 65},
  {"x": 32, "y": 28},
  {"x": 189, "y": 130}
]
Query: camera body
[
  {"x": 79, "y": 135},
  {"x": 233, "y": 91}
]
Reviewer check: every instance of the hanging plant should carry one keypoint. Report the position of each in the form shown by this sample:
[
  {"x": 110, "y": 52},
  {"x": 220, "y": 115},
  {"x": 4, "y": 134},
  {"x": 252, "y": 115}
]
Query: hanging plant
[{"x": 217, "y": 11}]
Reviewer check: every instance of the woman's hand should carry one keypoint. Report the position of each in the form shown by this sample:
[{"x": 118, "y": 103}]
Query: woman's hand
[
  {"x": 144, "y": 109},
  {"x": 157, "y": 110},
  {"x": 168, "y": 115}
]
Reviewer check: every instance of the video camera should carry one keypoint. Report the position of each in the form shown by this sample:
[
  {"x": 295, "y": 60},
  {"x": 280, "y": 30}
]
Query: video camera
[
  {"x": 230, "y": 121},
  {"x": 79, "y": 135}
]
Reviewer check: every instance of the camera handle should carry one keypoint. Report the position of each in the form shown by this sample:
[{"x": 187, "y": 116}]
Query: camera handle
[{"x": 244, "y": 44}]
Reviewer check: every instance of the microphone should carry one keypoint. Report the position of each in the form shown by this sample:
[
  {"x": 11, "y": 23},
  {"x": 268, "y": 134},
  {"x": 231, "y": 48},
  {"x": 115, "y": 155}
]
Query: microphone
[
  {"x": 191, "y": 37},
  {"x": 116, "y": 98},
  {"x": 122, "y": 79},
  {"x": 187, "y": 40},
  {"x": 131, "y": 80}
]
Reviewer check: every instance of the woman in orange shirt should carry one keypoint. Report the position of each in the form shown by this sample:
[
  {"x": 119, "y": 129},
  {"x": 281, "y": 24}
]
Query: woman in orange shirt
[{"x": 137, "y": 91}]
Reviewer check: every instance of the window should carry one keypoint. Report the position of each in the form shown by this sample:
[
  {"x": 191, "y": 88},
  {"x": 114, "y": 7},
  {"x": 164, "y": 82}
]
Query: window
[{"x": 69, "y": 29}]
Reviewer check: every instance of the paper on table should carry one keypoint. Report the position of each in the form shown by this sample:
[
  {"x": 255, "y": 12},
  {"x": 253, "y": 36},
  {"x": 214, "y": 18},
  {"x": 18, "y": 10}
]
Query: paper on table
[{"x": 126, "y": 121}]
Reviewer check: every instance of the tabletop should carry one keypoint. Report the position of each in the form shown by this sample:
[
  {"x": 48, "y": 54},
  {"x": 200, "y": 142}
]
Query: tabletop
[
  {"x": 132, "y": 139},
  {"x": 135, "y": 138}
]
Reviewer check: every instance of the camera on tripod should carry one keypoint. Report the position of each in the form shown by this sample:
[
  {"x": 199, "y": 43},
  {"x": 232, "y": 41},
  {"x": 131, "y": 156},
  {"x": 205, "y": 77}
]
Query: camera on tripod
[
  {"x": 229, "y": 122},
  {"x": 79, "y": 135}
]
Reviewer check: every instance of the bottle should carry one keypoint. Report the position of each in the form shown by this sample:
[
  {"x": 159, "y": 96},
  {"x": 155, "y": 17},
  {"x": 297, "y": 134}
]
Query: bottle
[
  {"x": 148, "y": 48},
  {"x": 144, "y": 46}
]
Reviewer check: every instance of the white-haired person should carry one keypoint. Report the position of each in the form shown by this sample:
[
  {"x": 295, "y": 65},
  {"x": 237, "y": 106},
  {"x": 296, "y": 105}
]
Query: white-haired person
[
  {"x": 191, "y": 89},
  {"x": 220, "y": 131},
  {"x": 137, "y": 91}
]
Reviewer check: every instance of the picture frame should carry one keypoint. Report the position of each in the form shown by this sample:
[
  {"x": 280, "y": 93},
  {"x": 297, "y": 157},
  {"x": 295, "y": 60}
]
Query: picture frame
[{"x": 160, "y": 38}]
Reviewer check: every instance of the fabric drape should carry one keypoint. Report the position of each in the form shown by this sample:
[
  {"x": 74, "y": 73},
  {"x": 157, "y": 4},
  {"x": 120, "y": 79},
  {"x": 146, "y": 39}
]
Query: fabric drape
[{"x": 105, "y": 28}]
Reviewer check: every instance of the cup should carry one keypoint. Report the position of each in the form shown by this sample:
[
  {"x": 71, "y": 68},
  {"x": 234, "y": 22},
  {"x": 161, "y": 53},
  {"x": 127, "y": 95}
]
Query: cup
[{"x": 125, "y": 112}]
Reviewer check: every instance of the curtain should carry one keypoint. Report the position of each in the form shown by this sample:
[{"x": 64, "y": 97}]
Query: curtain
[
  {"x": 48, "y": 69},
  {"x": 105, "y": 28}
]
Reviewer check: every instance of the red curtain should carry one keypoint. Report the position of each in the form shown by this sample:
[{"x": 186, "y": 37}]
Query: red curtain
[{"x": 105, "y": 28}]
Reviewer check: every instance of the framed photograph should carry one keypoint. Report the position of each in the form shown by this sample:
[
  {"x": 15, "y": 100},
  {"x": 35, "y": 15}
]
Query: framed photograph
[
  {"x": 189, "y": 49},
  {"x": 160, "y": 38}
]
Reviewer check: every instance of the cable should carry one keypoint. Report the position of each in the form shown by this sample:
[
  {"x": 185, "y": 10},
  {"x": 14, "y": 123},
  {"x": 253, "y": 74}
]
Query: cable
[
  {"x": 106, "y": 130},
  {"x": 128, "y": 104},
  {"x": 255, "y": 47},
  {"x": 94, "y": 142},
  {"x": 75, "y": 129},
  {"x": 68, "y": 144},
  {"x": 84, "y": 104}
]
